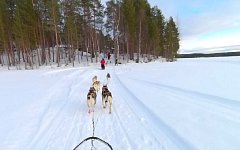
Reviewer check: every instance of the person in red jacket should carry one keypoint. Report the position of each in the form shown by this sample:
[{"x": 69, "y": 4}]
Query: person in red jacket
[{"x": 102, "y": 63}]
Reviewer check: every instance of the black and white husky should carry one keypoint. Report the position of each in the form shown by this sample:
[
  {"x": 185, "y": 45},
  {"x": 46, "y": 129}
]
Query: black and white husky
[
  {"x": 108, "y": 77},
  {"x": 91, "y": 99},
  {"x": 96, "y": 85},
  {"x": 106, "y": 98}
]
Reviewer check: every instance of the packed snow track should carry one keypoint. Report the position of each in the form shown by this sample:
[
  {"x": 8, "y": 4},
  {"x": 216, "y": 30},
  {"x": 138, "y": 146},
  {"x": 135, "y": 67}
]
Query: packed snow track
[{"x": 156, "y": 106}]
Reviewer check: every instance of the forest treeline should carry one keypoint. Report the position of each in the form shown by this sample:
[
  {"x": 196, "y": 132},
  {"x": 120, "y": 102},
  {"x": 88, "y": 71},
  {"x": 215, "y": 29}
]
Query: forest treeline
[
  {"x": 39, "y": 32},
  {"x": 197, "y": 55}
]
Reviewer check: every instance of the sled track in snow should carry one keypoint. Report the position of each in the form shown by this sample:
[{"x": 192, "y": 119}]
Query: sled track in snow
[
  {"x": 120, "y": 124},
  {"x": 227, "y": 110},
  {"x": 121, "y": 121},
  {"x": 164, "y": 128},
  {"x": 114, "y": 130},
  {"x": 216, "y": 100},
  {"x": 55, "y": 116}
]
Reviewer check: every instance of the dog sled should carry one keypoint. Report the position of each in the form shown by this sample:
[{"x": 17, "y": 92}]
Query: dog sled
[{"x": 93, "y": 138}]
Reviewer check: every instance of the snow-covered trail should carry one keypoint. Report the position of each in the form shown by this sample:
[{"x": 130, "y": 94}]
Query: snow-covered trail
[
  {"x": 161, "y": 135},
  {"x": 124, "y": 128},
  {"x": 62, "y": 112},
  {"x": 48, "y": 109},
  {"x": 177, "y": 112},
  {"x": 186, "y": 118},
  {"x": 59, "y": 119}
]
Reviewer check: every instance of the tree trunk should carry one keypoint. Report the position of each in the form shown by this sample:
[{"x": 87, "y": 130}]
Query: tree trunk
[
  {"x": 1, "y": 62},
  {"x": 139, "y": 41},
  {"x": 8, "y": 62}
]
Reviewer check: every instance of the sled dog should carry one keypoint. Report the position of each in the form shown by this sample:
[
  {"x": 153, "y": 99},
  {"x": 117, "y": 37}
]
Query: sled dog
[
  {"x": 103, "y": 89},
  {"x": 96, "y": 85},
  {"x": 94, "y": 79},
  {"x": 106, "y": 98},
  {"x": 108, "y": 78},
  {"x": 91, "y": 99}
]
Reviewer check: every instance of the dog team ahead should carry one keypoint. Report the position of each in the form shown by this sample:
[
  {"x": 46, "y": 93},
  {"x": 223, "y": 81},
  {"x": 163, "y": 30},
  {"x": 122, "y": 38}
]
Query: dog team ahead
[{"x": 92, "y": 95}]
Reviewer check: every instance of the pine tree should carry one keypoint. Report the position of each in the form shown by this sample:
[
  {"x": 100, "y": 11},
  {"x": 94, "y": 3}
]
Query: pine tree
[
  {"x": 87, "y": 17},
  {"x": 98, "y": 10},
  {"x": 171, "y": 39},
  {"x": 130, "y": 23},
  {"x": 3, "y": 17},
  {"x": 53, "y": 21},
  {"x": 140, "y": 11},
  {"x": 112, "y": 24},
  {"x": 156, "y": 30},
  {"x": 7, "y": 9},
  {"x": 70, "y": 30}
]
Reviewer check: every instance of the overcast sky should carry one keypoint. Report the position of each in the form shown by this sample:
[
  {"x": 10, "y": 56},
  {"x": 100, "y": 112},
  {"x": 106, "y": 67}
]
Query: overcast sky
[{"x": 204, "y": 23}]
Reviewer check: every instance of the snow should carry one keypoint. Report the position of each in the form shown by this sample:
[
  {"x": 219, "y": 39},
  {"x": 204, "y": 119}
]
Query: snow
[{"x": 188, "y": 104}]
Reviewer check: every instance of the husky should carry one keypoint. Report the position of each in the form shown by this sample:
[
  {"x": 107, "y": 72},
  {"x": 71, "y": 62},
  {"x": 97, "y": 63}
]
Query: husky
[
  {"x": 94, "y": 79},
  {"x": 106, "y": 98},
  {"x": 108, "y": 77},
  {"x": 96, "y": 85},
  {"x": 103, "y": 89},
  {"x": 91, "y": 99},
  {"x": 92, "y": 90}
]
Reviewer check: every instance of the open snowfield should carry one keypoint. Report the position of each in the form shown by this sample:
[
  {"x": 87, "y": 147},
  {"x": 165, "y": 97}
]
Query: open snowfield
[{"x": 189, "y": 104}]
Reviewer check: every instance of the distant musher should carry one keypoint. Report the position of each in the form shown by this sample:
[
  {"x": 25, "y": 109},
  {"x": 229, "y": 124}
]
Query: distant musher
[{"x": 102, "y": 64}]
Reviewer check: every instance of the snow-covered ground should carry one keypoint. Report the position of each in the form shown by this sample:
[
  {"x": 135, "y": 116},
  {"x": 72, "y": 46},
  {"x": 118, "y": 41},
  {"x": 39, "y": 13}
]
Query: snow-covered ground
[{"x": 188, "y": 104}]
